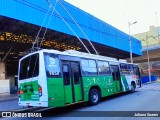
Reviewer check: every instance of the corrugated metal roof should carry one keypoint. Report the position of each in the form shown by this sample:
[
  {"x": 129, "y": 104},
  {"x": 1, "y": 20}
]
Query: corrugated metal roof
[{"x": 34, "y": 11}]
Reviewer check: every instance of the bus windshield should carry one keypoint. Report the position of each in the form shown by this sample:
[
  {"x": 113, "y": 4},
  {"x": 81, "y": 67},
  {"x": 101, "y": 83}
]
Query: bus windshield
[{"x": 29, "y": 67}]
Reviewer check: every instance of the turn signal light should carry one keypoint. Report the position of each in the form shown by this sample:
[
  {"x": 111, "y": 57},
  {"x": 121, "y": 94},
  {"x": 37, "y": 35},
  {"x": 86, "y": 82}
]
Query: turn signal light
[
  {"x": 21, "y": 92},
  {"x": 40, "y": 90}
]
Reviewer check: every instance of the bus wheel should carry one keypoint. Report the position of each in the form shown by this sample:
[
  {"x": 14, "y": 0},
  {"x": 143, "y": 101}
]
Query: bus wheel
[
  {"x": 94, "y": 97},
  {"x": 133, "y": 87}
]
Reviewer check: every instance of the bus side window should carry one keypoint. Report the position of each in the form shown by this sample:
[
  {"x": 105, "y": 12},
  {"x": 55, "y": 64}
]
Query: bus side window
[
  {"x": 130, "y": 69},
  {"x": 103, "y": 67},
  {"x": 124, "y": 69},
  {"x": 136, "y": 71},
  {"x": 66, "y": 75},
  {"x": 89, "y": 67}
]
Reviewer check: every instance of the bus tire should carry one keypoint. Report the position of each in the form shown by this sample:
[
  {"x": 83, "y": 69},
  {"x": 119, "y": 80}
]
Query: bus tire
[
  {"x": 94, "y": 97},
  {"x": 133, "y": 87}
]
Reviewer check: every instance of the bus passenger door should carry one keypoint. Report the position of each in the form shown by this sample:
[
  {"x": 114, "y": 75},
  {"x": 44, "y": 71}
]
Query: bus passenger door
[
  {"x": 72, "y": 82},
  {"x": 116, "y": 78},
  {"x": 77, "y": 81}
]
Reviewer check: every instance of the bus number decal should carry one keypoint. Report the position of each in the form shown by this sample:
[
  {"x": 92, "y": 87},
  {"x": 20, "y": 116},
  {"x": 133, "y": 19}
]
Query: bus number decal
[{"x": 52, "y": 65}]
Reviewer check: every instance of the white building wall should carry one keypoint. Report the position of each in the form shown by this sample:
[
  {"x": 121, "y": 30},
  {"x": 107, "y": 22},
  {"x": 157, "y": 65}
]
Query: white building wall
[{"x": 4, "y": 86}]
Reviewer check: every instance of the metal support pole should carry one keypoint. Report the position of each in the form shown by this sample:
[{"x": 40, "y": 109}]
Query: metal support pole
[
  {"x": 130, "y": 41},
  {"x": 149, "y": 70},
  {"x": 157, "y": 27},
  {"x": 130, "y": 44}
]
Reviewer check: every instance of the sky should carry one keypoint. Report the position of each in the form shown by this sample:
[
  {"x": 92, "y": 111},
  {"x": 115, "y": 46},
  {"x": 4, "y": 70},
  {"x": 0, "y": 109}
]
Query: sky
[{"x": 119, "y": 13}]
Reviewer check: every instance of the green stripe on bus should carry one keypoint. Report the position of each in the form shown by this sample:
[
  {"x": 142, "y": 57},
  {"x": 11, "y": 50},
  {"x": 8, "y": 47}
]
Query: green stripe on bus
[{"x": 124, "y": 80}]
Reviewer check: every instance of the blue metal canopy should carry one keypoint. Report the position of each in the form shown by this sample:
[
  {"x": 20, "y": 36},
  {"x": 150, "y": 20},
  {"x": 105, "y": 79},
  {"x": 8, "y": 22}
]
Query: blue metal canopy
[{"x": 34, "y": 11}]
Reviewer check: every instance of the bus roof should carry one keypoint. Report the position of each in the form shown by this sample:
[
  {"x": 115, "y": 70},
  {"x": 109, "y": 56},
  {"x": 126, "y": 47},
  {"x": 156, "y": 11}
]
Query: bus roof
[{"x": 79, "y": 54}]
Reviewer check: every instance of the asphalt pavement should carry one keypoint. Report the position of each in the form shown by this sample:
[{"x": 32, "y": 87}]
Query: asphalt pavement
[{"x": 144, "y": 99}]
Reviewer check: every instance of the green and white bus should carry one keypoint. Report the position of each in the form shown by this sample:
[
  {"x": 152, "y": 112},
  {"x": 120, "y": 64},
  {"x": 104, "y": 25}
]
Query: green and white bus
[{"x": 50, "y": 78}]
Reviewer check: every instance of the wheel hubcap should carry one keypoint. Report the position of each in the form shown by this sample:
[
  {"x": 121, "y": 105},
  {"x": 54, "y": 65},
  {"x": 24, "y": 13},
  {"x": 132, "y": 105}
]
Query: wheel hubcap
[{"x": 95, "y": 97}]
